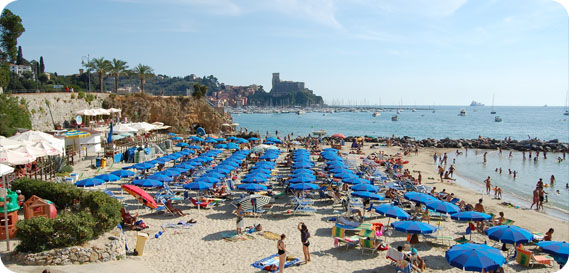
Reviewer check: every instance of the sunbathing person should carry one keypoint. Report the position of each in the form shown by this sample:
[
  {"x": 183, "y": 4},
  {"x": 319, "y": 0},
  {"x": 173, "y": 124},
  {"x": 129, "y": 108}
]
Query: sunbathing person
[
  {"x": 417, "y": 260},
  {"x": 173, "y": 209},
  {"x": 500, "y": 220}
]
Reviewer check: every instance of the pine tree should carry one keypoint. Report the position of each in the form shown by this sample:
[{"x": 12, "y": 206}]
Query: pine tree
[
  {"x": 20, "y": 57},
  {"x": 42, "y": 66}
]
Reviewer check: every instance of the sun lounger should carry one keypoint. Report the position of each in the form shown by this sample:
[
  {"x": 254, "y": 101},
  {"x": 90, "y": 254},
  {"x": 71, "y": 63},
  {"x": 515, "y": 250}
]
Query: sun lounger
[
  {"x": 203, "y": 205},
  {"x": 462, "y": 240},
  {"x": 273, "y": 259},
  {"x": 339, "y": 235},
  {"x": 111, "y": 194},
  {"x": 527, "y": 258}
]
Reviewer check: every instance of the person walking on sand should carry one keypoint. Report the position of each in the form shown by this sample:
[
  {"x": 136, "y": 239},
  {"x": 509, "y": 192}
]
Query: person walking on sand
[
  {"x": 240, "y": 222},
  {"x": 485, "y": 153},
  {"x": 535, "y": 200},
  {"x": 435, "y": 157},
  {"x": 281, "y": 248},
  {"x": 488, "y": 185},
  {"x": 304, "y": 235}
]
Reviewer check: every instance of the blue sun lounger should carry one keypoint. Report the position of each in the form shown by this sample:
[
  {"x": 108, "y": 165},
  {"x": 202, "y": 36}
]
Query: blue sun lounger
[{"x": 273, "y": 259}]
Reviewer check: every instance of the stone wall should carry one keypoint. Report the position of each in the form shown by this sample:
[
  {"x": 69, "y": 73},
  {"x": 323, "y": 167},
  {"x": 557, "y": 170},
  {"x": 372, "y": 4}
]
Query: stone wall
[
  {"x": 62, "y": 106},
  {"x": 111, "y": 250}
]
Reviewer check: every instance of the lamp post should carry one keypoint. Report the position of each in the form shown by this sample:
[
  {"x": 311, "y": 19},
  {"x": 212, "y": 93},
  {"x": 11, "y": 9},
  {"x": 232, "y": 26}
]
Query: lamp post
[{"x": 88, "y": 69}]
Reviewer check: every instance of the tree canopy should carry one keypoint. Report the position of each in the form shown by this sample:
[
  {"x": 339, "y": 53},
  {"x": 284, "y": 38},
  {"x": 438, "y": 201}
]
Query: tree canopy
[
  {"x": 13, "y": 115},
  {"x": 11, "y": 29}
]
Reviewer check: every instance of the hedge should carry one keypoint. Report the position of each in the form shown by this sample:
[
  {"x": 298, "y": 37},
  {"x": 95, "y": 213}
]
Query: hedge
[{"x": 96, "y": 214}]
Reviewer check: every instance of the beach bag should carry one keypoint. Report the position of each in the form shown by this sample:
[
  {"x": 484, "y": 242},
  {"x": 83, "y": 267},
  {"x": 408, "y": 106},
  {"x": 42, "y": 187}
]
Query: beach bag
[{"x": 271, "y": 268}]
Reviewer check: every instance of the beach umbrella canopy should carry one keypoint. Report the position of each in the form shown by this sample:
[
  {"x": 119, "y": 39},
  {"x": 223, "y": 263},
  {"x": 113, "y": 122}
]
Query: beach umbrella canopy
[
  {"x": 338, "y": 135},
  {"x": 339, "y": 170},
  {"x": 5, "y": 169},
  {"x": 442, "y": 206},
  {"x": 182, "y": 144},
  {"x": 123, "y": 173},
  {"x": 303, "y": 178},
  {"x": 195, "y": 147},
  {"x": 254, "y": 179},
  {"x": 470, "y": 216},
  {"x": 241, "y": 140},
  {"x": 304, "y": 187},
  {"x": 176, "y": 138},
  {"x": 252, "y": 187},
  {"x": 171, "y": 134},
  {"x": 108, "y": 177},
  {"x": 160, "y": 177},
  {"x": 555, "y": 248},
  {"x": 140, "y": 195},
  {"x": 214, "y": 174},
  {"x": 208, "y": 179},
  {"x": 198, "y": 186},
  {"x": 509, "y": 234},
  {"x": 419, "y": 197},
  {"x": 211, "y": 140},
  {"x": 392, "y": 211},
  {"x": 475, "y": 257},
  {"x": 232, "y": 146},
  {"x": 31, "y": 150},
  {"x": 355, "y": 180},
  {"x": 147, "y": 183},
  {"x": 15, "y": 158},
  {"x": 414, "y": 227},
  {"x": 304, "y": 171},
  {"x": 169, "y": 172},
  {"x": 231, "y": 138},
  {"x": 367, "y": 195},
  {"x": 195, "y": 138},
  {"x": 89, "y": 182},
  {"x": 364, "y": 187},
  {"x": 274, "y": 139},
  {"x": 143, "y": 166},
  {"x": 344, "y": 175},
  {"x": 253, "y": 139},
  {"x": 220, "y": 146}
]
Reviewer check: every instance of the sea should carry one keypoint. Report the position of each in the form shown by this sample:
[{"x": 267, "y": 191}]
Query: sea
[{"x": 519, "y": 123}]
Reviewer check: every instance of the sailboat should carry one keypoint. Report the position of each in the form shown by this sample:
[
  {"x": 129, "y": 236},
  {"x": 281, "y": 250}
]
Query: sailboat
[{"x": 493, "y": 112}]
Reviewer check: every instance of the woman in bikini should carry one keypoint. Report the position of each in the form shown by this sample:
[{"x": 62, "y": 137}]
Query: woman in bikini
[
  {"x": 304, "y": 235},
  {"x": 282, "y": 252}
]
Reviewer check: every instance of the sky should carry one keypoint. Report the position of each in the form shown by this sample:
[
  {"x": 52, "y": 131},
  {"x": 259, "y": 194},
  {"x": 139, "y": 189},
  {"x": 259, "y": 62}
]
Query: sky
[{"x": 411, "y": 52}]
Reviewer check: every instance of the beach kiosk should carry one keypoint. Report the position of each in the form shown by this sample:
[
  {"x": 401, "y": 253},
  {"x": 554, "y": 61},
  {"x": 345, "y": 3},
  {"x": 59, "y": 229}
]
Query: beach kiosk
[
  {"x": 37, "y": 206},
  {"x": 12, "y": 208}
]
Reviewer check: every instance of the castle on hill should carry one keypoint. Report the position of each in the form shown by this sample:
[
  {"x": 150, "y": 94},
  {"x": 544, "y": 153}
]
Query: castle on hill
[{"x": 283, "y": 88}]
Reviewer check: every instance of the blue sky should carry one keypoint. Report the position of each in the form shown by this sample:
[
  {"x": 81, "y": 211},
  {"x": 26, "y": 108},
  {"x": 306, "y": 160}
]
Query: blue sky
[{"x": 424, "y": 52}]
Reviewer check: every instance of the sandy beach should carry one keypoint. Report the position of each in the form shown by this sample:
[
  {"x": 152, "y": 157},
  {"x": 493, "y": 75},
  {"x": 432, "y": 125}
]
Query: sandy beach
[{"x": 201, "y": 248}]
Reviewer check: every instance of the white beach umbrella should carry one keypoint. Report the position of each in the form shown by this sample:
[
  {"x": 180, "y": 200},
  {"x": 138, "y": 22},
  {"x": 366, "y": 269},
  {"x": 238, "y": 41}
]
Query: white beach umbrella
[
  {"x": 7, "y": 143},
  {"x": 47, "y": 147},
  {"x": 87, "y": 112},
  {"x": 29, "y": 149},
  {"x": 123, "y": 128},
  {"x": 143, "y": 126},
  {"x": 114, "y": 110},
  {"x": 15, "y": 158},
  {"x": 37, "y": 136},
  {"x": 5, "y": 169},
  {"x": 101, "y": 111}
]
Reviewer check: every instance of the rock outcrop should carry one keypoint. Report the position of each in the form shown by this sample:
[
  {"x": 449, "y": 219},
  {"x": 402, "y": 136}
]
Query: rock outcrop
[{"x": 182, "y": 113}]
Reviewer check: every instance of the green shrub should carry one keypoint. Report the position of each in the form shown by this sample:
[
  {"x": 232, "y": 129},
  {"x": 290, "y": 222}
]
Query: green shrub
[
  {"x": 81, "y": 95},
  {"x": 97, "y": 214},
  {"x": 72, "y": 96},
  {"x": 67, "y": 169},
  {"x": 89, "y": 98}
]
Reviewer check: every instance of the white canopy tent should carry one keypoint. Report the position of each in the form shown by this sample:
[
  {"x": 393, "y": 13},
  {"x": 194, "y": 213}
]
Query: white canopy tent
[
  {"x": 29, "y": 149},
  {"x": 143, "y": 126},
  {"x": 123, "y": 128},
  {"x": 47, "y": 147},
  {"x": 7, "y": 143}
]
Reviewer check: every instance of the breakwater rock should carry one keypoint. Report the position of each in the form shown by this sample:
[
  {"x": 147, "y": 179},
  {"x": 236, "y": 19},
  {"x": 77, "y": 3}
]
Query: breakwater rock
[
  {"x": 553, "y": 145},
  {"x": 182, "y": 113}
]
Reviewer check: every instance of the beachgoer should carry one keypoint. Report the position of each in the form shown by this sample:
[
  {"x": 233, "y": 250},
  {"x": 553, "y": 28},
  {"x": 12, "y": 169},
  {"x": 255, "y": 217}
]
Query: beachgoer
[
  {"x": 500, "y": 220},
  {"x": 548, "y": 235},
  {"x": 419, "y": 178},
  {"x": 435, "y": 157},
  {"x": 281, "y": 248},
  {"x": 451, "y": 171},
  {"x": 485, "y": 153},
  {"x": 499, "y": 192},
  {"x": 417, "y": 260},
  {"x": 240, "y": 222},
  {"x": 441, "y": 172},
  {"x": 479, "y": 208},
  {"x": 541, "y": 193},
  {"x": 552, "y": 180},
  {"x": 488, "y": 183},
  {"x": 304, "y": 235},
  {"x": 535, "y": 199},
  {"x": 515, "y": 174}
]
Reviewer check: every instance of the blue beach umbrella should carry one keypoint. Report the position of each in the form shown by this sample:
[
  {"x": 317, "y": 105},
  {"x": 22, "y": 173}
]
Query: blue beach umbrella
[
  {"x": 214, "y": 174},
  {"x": 198, "y": 186},
  {"x": 442, "y": 207},
  {"x": 182, "y": 144},
  {"x": 123, "y": 173},
  {"x": 176, "y": 138},
  {"x": 195, "y": 147},
  {"x": 171, "y": 134},
  {"x": 560, "y": 250},
  {"x": 253, "y": 139},
  {"x": 232, "y": 146},
  {"x": 364, "y": 187},
  {"x": 304, "y": 187},
  {"x": 413, "y": 227},
  {"x": 108, "y": 177},
  {"x": 252, "y": 187},
  {"x": 169, "y": 172},
  {"x": 231, "y": 138},
  {"x": 211, "y": 141},
  {"x": 302, "y": 178},
  {"x": 392, "y": 211},
  {"x": 160, "y": 177},
  {"x": 344, "y": 175},
  {"x": 220, "y": 146},
  {"x": 304, "y": 171},
  {"x": 274, "y": 139},
  {"x": 353, "y": 180},
  {"x": 475, "y": 257},
  {"x": 254, "y": 179},
  {"x": 148, "y": 183},
  {"x": 143, "y": 166},
  {"x": 208, "y": 179},
  {"x": 367, "y": 195},
  {"x": 419, "y": 197},
  {"x": 257, "y": 174},
  {"x": 470, "y": 216},
  {"x": 509, "y": 234},
  {"x": 241, "y": 140},
  {"x": 89, "y": 182}
]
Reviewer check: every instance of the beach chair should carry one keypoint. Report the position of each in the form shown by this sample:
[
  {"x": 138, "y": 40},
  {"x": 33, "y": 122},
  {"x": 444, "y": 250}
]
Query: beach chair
[
  {"x": 369, "y": 244},
  {"x": 128, "y": 219},
  {"x": 528, "y": 259},
  {"x": 111, "y": 194},
  {"x": 303, "y": 208},
  {"x": 203, "y": 205},
  {"x": 462, "y": 240},
  {"x": 339, "y": 235}
]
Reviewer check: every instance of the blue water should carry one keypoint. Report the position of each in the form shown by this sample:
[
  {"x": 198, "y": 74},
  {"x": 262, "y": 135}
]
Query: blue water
[{"x": 518, "y": 123}]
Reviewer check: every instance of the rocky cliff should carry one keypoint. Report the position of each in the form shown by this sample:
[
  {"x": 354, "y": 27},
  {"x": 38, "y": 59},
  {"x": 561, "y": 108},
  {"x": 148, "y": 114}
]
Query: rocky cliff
[
  {"x": 181, "y": 113},
  {"x": 60, "y": 106}
]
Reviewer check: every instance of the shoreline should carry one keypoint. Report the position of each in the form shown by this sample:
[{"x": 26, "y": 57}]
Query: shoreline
[{"x": 519, "y": 201}]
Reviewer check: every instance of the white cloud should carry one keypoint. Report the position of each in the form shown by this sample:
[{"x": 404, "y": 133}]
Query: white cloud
[
  {"x": 428, "y": 8},
  {"x": 217, "y": 7}
]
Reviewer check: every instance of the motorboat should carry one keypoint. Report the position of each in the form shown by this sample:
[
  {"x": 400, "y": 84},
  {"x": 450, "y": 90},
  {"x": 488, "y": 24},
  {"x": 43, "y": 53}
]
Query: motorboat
[
  {"x": 497, "y": 119},
  {"x": 394, "y": 118},
  {"x": 376, "y": 114},
  {"x": 462, "y": 112}
]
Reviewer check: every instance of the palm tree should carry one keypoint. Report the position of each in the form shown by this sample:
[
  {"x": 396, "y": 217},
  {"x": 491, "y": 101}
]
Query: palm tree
[
  {"x": 101, "y": 66},
  {"x": 118, "y": 67},
  {"x": 143, "y": 71}
]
